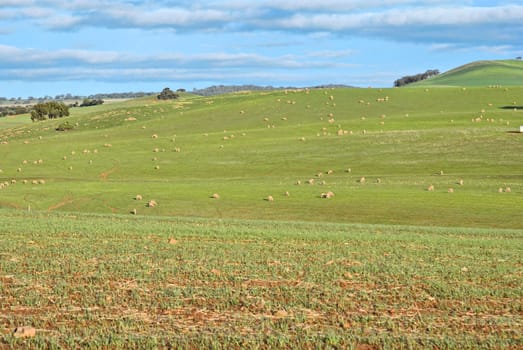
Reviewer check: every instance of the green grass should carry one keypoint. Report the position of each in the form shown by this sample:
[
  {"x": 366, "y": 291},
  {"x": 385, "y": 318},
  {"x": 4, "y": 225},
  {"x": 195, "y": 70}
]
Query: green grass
[
  {"x": 384, "y": 264},
  {"x": 114, "y": 281},
  {"x": 248, "y": 146},
  {"x": 480, "y": 73}
]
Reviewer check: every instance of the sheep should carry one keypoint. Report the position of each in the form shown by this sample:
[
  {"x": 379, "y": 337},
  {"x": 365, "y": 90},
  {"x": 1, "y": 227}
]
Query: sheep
[
  {"x": 41, "y": 182},
  {"x": 461, "y": 182},
  {"x": 269, "y": 199},
  {"x": 362, "y": 180},
  {"x": 450, "y": 190},
  {"x": 152, "y": 203},
  {"x": 298, "y": 182},
  {"x": 329, "y": 172},
  {"x": 154, "y": 136},
  {"x": 133, "y": 211},
  {"x": 215, "y": 196},
  {"x": 287, "y": 194},
  {"x": 430, "y": 188},
  {"x": 13, "y": 181},
  {"x": 508, "y": 190},
  {"x": 138, "y": 197},
  {"x": 310, "y": 182},
  {"x": 500, "y": 190},
  {"x": 327, "y": 195}
]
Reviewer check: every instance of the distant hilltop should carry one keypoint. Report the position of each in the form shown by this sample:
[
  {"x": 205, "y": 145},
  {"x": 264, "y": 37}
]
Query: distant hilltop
[
  {"x": 224, "y": 89},
  {"x": 493, "y": 73}
]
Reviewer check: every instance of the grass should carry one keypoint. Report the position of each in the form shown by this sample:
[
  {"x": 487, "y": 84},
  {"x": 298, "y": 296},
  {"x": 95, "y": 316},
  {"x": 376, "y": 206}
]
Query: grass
[
  {"x": 481, "y": 73},
  {"x": 98, "y": 281},
  {"x": 385, "y": 264},
  {"x": 249, "y": 146}
]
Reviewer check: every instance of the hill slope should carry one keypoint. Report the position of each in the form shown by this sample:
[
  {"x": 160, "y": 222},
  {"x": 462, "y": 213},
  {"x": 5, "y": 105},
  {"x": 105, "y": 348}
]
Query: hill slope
[
  {"x": 249, "y": 146},
  {"x": 480, "y": 73}
]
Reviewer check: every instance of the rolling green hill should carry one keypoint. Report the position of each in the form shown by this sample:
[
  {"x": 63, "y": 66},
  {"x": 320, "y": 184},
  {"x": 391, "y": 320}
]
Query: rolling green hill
[
  {"x": 480, "y": 73},
  {"x": 251, "y": 147}
]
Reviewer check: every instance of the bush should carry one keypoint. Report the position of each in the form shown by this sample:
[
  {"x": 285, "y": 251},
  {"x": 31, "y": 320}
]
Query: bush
[
  {"x": 91, "y": 102},
  {"x": 167, "y": 94},
  {"x": 64, "y": 127}
]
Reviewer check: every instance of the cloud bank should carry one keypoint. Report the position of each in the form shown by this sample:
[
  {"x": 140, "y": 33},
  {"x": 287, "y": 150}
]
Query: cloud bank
[{"x": 327, "y": 31}]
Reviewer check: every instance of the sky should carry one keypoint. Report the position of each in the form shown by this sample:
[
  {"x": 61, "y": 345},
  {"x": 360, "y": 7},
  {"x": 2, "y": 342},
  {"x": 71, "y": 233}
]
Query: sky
[{"x": 84, "y": 47}]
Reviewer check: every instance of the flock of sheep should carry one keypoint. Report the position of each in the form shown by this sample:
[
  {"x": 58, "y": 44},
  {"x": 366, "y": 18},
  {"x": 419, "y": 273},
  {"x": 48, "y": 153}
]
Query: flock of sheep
[{"x": 317, "y": 180}]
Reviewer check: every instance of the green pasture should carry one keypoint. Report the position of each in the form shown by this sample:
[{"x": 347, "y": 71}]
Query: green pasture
[
  {"x": 249, "y": 146},
  {"x": 119, "y": 282}
]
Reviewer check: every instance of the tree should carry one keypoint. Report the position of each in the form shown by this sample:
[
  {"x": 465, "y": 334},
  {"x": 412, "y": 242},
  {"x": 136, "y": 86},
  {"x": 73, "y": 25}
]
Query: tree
[
  {"x": 91, "y": 102},
  {"x": 49, "y": 110},
  {"x": 167, "y": 94},
  {"x": 414, "y": 78}
]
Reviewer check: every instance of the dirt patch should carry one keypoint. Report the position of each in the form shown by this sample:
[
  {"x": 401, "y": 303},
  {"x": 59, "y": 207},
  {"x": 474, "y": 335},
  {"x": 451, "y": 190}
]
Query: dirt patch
[
  {"x": 105, "y": 174},
  {"x": 65, "y": 201}
]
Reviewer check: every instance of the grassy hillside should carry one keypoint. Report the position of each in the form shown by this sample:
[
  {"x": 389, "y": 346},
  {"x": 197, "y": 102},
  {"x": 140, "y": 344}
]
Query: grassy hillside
[
  {"x": 480, "y": 73},
  {"x": 249, "y": 146},
  {"x": 107, "y": 282}
]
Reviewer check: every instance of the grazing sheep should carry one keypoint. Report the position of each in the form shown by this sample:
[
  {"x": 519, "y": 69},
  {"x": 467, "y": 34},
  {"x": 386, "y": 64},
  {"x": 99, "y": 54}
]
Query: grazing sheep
[
  {"x": 269, "y": 199},
  {"x": 287, "y": 194},
  {"x": 215, "y": 196},
  {"x": 34, "y": 182},
  {"x": 152, "y": 203},
  {"x": 154, "y": 136},
  {"x": 508, "y": 190},
  {"x": 362, "y": 180},
  {"x": 298, "y": 182},
  {"x": 378, "y": 180},
  {"x": 327, "y": 195},
  {"x": 13, "y": 181},
  {"x": 157, "y": 167},
  {"x": 451, "y": 190},
  {"x": 349, "y": 170},
  {"x": 329, "y": 172},
  {"x": 461, "y": 182},
  {"x": 138, "y": 197},
  {"x": 310, "y": 182},
  {"x": 133, "y": 211},
  {"x": 500, "y": 190},
  {"x": 430, "y": 188}
]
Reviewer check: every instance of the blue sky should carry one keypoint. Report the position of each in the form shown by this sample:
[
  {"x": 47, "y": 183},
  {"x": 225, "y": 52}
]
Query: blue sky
[{"x": 50, "y": 47}]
